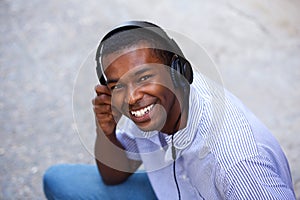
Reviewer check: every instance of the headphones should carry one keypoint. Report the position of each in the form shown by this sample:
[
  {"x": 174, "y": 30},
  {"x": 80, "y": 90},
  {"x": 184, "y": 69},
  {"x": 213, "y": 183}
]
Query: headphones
[{"x": 179, "y": 64}]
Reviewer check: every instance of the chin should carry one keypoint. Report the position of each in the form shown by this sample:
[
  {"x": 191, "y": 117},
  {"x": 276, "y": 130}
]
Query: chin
[{"x": 150, "y": 127}]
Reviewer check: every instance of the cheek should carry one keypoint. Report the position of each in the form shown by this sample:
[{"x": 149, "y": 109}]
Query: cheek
[
  {"x": 116, "y": 101},
  {"x": 163, "y": 92},
  {"x": 162, "y": 86}
]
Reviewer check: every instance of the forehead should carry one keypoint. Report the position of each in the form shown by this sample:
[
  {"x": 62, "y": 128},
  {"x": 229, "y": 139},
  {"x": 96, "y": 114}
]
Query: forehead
[{"x": 128, "y": 58}]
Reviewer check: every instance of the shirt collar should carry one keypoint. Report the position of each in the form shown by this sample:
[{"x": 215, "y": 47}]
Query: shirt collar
[{"x": 184, "y": 137}]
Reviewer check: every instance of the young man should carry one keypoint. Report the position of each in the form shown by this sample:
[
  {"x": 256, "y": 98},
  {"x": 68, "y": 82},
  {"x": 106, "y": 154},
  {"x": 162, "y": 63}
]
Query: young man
[{"x": 194, "y": 139}]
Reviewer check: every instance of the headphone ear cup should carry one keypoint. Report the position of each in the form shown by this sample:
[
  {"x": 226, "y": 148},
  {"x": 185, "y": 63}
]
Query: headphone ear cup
[
  {"x": 179, "y": 69},
  {"x": 175, "y": 68},
  {"x": 188, "y": 72},
  {"x": 100, "y": 76}
]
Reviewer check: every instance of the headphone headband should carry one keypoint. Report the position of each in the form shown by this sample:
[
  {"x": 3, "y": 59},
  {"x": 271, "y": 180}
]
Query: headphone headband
[
  {"x": 150, "y": 27},
  {"x": 131, "y": 25}
]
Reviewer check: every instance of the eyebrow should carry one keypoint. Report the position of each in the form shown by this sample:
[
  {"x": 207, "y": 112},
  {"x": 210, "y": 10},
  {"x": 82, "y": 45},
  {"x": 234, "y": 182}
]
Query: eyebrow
[
  {"x": 139, "y": 72},
  {"x": 143, "y": 70},
  {"x": 112, "y": 81}
]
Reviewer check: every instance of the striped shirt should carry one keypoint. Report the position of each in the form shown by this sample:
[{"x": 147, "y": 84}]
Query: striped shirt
[{"x": 224, "y": 152}]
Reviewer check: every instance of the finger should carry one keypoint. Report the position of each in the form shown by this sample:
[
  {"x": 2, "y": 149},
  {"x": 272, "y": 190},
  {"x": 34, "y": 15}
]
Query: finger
[
  {"x": 102, "y": 109},
  {"x": 102, "y": 89},
  {"x": 104, "y": 119},
  {"x": 102, "y": 99}
]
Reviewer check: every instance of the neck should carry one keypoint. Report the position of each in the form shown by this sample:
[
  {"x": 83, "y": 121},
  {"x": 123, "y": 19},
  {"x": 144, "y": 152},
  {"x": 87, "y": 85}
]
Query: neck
[
  {"x": 177, "y": 124},
  {"x": 179, "y": 116}
]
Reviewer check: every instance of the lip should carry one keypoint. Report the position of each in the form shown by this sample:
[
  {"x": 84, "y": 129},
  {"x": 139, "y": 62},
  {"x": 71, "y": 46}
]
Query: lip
[{"x": 142, "y": 114}]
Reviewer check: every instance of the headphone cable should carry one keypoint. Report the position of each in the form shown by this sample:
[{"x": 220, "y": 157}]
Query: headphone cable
[{"x": 174, "y": 168}]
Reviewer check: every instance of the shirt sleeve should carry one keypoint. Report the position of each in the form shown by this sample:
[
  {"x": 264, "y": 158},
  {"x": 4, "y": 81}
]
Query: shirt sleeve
[{"x": 256, "y": 178}]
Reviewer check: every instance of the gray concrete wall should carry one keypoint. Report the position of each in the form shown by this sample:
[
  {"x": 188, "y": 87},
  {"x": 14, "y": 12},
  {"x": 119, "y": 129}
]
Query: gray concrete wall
[{"x": 46, "y": 51}]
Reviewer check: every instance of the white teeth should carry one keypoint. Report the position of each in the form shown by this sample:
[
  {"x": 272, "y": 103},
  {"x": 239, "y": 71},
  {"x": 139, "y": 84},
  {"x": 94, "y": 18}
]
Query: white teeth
[{"x": 142, "y": 112}]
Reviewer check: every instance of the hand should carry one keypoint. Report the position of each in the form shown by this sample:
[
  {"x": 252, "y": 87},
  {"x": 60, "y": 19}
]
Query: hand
[{"x": 106, "y": 115}]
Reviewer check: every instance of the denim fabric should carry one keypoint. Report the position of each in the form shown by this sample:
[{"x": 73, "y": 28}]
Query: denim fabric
[{"x": 79, "y": 181}]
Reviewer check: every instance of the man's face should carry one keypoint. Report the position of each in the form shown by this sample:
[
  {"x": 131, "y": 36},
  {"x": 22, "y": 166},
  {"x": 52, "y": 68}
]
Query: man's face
[{"x": 142, "y": 88}]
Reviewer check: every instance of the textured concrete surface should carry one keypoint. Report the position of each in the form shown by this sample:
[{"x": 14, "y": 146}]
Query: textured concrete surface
[{"x": 46, "y": 51}]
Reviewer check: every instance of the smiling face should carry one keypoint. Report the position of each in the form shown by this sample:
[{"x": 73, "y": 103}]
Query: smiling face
[{"x": 142, "y": 88}]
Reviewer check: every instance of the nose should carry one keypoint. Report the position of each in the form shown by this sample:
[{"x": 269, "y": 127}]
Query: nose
[{"x": 133, "y": 95}]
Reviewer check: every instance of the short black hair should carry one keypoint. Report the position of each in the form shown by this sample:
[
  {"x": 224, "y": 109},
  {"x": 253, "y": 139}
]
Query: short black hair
[{"x": 128, "y": 38}]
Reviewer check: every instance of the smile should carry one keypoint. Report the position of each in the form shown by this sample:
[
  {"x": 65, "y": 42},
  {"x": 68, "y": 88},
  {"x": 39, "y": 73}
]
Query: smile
[{"x": 142, "y": 112}]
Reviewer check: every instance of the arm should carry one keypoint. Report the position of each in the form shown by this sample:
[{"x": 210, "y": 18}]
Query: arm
[{"x": 112, "y": 162}]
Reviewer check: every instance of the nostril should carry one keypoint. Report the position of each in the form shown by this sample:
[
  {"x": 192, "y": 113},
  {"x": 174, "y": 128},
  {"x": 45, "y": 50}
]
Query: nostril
[
  {"x": 133, "y": 96},
  {"x": 133, "y": 99}
]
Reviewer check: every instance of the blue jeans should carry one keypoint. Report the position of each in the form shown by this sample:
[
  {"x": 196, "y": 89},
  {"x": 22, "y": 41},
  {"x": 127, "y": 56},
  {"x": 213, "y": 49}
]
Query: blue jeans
[{"x": 79, "y": 181}]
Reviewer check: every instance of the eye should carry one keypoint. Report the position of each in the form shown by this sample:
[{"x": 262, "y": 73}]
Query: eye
[
  {"x": 117, "y": 86},
  {"x": 144, "y": 78}
]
